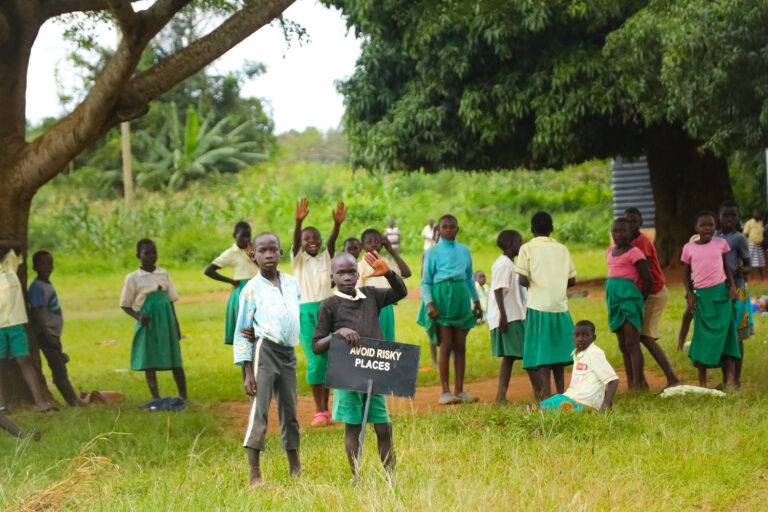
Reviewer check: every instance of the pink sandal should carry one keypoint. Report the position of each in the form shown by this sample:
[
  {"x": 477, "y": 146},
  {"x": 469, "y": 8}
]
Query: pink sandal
[{"x": 320, "y": 420}]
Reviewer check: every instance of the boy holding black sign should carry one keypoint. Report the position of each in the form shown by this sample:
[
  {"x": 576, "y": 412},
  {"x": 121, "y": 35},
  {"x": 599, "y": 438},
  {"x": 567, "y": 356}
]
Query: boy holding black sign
[{"x": 353, "y": 313}]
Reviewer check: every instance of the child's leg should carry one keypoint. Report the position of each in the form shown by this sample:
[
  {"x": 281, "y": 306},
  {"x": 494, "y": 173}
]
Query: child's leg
[
  {"x": 446, "y": 347},
  {"x": 459, "y": 358},
  {"x": 285, "y": 391},
  {"x": 352, "y": 444},
  {"x": 738, "y": 364},
  {"x": 533, "y": 375},
  {"x": 384, "y": 438},
  {"x": 320, "y": 396},
  {"x": 702, "y": 374},
  {"x": 660, "y": 357},
  {"x": 625, "y": 356},
  {"x": 632, "y": 342},
  {"x": 505, "y": 373},
  {"x": 55, "y": 358},
  {"x": 559, "y": 374},
  {"x": 545, "y": 384},
  {"x": 254, "y": 474},
  {"x": 151, "y": 376},
  {"x": 433, "y": 352},
  {"x": 181, "y": 382},
  {"x": 729, "y": 369},
  {"x": 30, "y": 377}
]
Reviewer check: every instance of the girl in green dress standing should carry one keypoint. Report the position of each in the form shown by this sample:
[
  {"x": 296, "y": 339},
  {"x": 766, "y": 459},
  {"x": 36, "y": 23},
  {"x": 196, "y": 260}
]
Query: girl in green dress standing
[{"x": 148, "y": 296}]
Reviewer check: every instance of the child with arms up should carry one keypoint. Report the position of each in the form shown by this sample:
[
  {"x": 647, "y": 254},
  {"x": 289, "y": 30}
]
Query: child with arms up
[
  {"x": 312, "y": 269},
  {"x": 353, "y": 313}
]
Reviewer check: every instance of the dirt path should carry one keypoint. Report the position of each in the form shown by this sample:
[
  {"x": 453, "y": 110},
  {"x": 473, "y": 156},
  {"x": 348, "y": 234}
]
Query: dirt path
[{"x": 236, "y": 413}]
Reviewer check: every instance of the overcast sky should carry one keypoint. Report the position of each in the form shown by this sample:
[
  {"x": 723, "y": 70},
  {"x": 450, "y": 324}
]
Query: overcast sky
[{"x": 298, "y": 83}]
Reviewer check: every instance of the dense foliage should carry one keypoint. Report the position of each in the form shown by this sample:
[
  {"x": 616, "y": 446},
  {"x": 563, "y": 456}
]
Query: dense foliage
[{"x": 104, "y": 232}]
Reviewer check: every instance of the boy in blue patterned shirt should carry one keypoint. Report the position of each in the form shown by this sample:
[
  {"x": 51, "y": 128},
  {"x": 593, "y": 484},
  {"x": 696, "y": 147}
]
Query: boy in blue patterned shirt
[{"x": 266, "y": 335}]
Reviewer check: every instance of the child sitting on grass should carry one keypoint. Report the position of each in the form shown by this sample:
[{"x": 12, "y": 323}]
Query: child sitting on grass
[
  {"x": 148, "y": 296},
  {"x": 372, "y": 242},
  {"x": 48, "y": 321},
  {"x": 711, "y": 293},
  {"x": 353, "y": 313},
  {"x": 267, "y": 333},
  {"x": 506, "y": 311},
  {"x": 243, "y": 269},
  {"x": 312, "y": 269},
  {"x": 593, "y": 382},
  {"x": 627, "y": 266}
]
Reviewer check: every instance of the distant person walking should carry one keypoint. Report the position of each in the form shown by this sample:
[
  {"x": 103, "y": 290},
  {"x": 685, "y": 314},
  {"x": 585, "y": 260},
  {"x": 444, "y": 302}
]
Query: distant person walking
[
  {"x": 754, "y": 230},
  {"x": 428, "y": 235},
  {"x": 393, "y": 235}
]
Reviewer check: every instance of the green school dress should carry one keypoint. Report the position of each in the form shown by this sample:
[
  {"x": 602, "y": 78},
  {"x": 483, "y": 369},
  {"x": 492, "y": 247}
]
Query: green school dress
[
  {"x": 548, "y": 338},
  {"x": 233, "y": 306},
  {"x": 714, "y": 327},
  {"x": 317, "y": 364},
  {"x": 452, "y": 300},
  {"x": 156, "y": 345},
  {"x": 387, "y": 322},
  {"x": 625, "y": 303},
  {"x": 509, "y": 343}
]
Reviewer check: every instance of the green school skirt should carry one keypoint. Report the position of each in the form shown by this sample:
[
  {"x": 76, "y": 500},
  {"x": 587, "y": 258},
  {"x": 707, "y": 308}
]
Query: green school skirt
[
  {"x": 233, "y": 306},
  {"x": 625, "y": 303},
  {"x": 387, "y": 322},
  {"x": 156, "y": 345},
  {"x": 348, "y": 407},
  {"x": 548, "y": 338},
  {"x": 510, "y": 343},
  {"x": 452, "y": 300},
  {"x": 316, "y": 363},
  {"x": 714, "y": 327}
]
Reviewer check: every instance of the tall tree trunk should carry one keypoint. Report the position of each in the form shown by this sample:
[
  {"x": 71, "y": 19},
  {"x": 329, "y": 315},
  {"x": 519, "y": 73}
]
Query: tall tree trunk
[
  {"x": 685, "y": 180},
  {"x": 15, "y": 205}
]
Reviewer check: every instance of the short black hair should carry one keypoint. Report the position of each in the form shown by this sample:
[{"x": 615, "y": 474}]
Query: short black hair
[
  {"x": 369, "y": 232},
  {"x": 705, "y": 213},
  {"x": 240, "y": 226},
  {"x": 586, "y": 323},
  {"x": 446, "y": 217},
  {"x": 541, "y": 222},
  {"x": 633, "y": 211},
  {"x": 621, "y": 220},
  {"x": 350, "y": 239},
  {"x": 311, "y": 228},
  {"x": 729, "y": 204},
  {"x": 506, "y": 237},
  {"x": 265, "y": 233},
  {"x": 143, "y": 243},
  {"x": 39, "y": 255}
]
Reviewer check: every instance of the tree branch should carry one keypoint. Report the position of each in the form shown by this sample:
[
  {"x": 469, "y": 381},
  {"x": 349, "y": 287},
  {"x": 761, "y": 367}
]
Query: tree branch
[
  {"x": 52, "y": 8},
  {"x": 125, "y": 15},
  {"x": 166, "y": 74}
]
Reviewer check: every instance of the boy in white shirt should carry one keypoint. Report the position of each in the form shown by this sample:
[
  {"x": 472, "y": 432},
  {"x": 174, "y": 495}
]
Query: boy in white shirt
[{"x": 593, "y": 381}]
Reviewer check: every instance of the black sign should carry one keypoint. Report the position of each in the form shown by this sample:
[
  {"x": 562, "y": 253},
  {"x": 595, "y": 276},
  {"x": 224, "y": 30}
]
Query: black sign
[{"x": 393, "y": 367}]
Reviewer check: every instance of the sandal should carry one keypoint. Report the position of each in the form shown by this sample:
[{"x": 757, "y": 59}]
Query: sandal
[{"x": 320, "y": 419}]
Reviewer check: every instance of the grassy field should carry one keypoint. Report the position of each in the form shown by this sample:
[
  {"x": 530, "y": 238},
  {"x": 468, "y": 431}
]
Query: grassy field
[{"x": 648, "y": 453}]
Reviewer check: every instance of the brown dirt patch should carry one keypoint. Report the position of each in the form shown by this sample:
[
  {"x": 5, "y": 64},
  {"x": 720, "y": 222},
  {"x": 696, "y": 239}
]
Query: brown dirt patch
[{"x": 235, "y": 414}]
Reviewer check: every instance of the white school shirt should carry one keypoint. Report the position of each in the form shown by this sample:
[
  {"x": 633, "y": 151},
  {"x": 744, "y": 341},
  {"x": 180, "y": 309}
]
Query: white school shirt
[
  {"x": 236, "y": 258},
  {"x": 140, "y": 283},
  {"x": 591, "y": 373},
  {"x": 12, "y": 309},
  {"x": 428, "y": 234},
  {"x": 313, "y": 274},
  {"x": 504, "y": 277},
  {"x": 364, "y": 271},
  {"x": 548, "y": 266}
]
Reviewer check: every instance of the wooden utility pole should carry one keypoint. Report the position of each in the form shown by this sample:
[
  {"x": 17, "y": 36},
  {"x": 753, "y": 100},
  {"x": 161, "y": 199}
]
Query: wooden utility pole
[{"x": 125, "y": 140}]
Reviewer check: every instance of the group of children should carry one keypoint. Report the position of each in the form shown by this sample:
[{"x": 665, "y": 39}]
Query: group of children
[{"x": 269, "y": 313}]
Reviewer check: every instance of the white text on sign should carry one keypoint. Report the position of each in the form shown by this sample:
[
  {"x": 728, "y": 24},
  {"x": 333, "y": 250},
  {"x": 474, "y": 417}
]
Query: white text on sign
[{"x": 374, "y": 364}]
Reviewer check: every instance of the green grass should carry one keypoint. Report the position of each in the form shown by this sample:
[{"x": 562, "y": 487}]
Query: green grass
[{"x": 648, "y": 453}]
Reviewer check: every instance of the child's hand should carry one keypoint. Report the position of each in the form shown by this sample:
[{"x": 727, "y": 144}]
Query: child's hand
[
  {"x": 248, "y": 334},
  {"x": 378, "y": 265},
  {"x": 385, "y": 243},
  {"x": 302, "y": 209},
  {"x": 340, "y": 213},
  {"x": 249, "y": 384},
  {"x": 432, "y": 311},
  {"x": 503, "y": 323},
  {"x": 144, "y": 319},
  {"x": 733, "y": 292},
  {"x": 352, "y": 337},
  {"x": 477, "y": 309},
  {"x": 691, "y": 298}
]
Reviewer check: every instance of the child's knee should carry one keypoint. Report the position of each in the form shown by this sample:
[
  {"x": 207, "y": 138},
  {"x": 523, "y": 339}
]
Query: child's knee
[{"x": 23, "y": 361}]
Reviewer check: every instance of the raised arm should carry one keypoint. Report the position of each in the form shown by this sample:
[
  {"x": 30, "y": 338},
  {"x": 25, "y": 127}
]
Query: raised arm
[
  {"x": 302, "y": 210},
  {"x": 405, "y": 270},
  {"x": 339, "y": 214}
]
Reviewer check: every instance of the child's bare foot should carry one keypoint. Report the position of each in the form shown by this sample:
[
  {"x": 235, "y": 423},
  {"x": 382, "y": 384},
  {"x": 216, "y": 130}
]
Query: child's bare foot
[
  {"x": 294, "y": 463},
  {"x": 501, "y": 400},
  {"x": 255, "y": 479}
]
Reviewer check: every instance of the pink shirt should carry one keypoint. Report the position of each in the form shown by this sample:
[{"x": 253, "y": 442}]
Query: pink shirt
[
  {"x": 706, "y": 261},
  {"x": 624, "y": 264}
]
